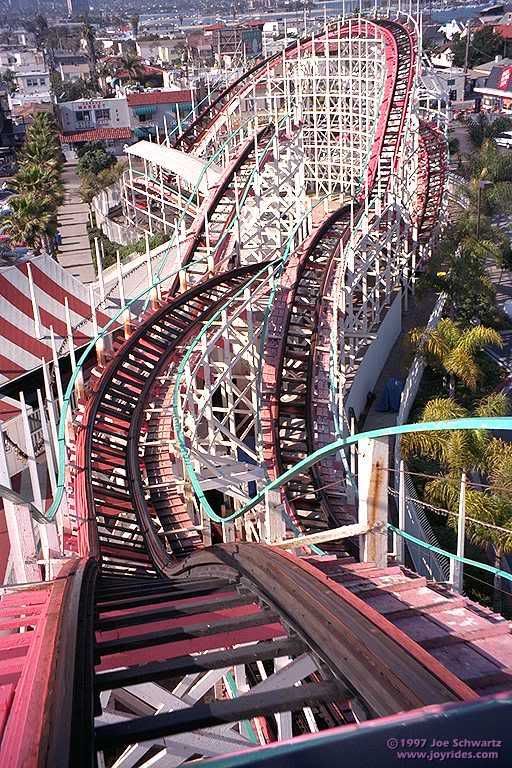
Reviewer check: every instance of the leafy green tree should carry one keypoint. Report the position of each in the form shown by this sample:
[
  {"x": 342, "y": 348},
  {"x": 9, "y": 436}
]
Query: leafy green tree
[
  {"x": 94, "y": 160},
  {"x": 455, "y": 350},
  {"x": 71, "y": 90},
  {"x": 483, "y": 126},
  {"x": 485, "y": 46},
  {"x": 9, "y": 78},
  {"x": 91, "y": 184}
]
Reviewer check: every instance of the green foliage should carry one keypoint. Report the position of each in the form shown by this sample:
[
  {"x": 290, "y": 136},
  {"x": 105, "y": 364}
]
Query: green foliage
[
  {"x": 34, "y": 178},
  {"x": 484, "y": 126},
  {"x": 9, "y": 78},
  {"x": 455, "y": 349},
  {"x": 126, "y": 252},
  {"x": 33, "y": 217},
  {"x": 485, "y": 46},
  {"x": 459, "y": 266},
  {"x": 31, "y": 221},
  {"x": 91, "y": 184},
  {"x": 94, "y": 160},
  {"x": 71, "y": 90},
  {"x": 132, "y": 65},
  {"x": 90, "y": 146},
  {"x": 486, "y": 459}
]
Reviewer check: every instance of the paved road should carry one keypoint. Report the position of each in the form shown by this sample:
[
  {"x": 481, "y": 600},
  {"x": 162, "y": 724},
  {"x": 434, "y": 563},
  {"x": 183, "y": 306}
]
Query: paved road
[{"x": 73, "y": 215}]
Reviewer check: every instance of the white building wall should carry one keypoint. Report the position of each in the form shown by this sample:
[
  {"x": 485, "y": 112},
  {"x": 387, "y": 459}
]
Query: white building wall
[
  {"x": 88, "y": 114},
  {"x": 375, "y": 358}
]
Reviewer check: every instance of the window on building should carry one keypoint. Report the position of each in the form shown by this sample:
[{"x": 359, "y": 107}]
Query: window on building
[
  {"x": 453, "y": 95},
  {"x": 451, "y": 81},
  {"x": 42, "y": 81},
  {"x": 102, "y": 114},
  {"x": 82, "y": 115}
]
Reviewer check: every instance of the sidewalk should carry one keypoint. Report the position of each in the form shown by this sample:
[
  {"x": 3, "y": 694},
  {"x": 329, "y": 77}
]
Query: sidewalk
[{"x": 74, "y": 253}]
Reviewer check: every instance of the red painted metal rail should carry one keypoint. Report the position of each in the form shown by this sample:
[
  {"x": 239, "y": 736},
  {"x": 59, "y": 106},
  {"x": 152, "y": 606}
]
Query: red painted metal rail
[{"x": 131, "y": 612}]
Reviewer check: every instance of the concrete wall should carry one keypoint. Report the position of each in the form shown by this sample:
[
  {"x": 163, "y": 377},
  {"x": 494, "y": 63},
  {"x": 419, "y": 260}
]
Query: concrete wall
[{"x": 375, "y": 358}]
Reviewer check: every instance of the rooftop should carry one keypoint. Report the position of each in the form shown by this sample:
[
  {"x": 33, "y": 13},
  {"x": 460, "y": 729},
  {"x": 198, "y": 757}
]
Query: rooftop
[
  {"x": 158, "y": 97},
  {"x": 97, "y": 134}
]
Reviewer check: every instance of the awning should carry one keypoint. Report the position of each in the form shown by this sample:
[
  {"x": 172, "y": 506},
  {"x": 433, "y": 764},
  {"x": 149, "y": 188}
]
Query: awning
[
  {"x": 145, "y": 109},
  {"x": 193, "y": 170},
  {"x": 96, "y": 134},
  {"x": 143, "y": 131}
]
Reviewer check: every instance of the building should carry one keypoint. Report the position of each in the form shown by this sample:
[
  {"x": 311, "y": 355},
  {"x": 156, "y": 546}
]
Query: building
[
  {"x": 453, "y": 83},
  {"x": 152, "y": 111},
  {"x": 161, "y": 50},
  {"x": 95, "y": 120},
  {"x": 71, "y": 66},
  {"x": 496, "y": 94},
  {"x": 77, "y": 7},
  {"x": 157, "y": 25},
  {"x": 33, "y": 84},
  {"x": 452, "y": 28},
  {"x": 443, "y": 57},
  {"x": 121, "y": 119},
  {"x": 21, "y": 59}
]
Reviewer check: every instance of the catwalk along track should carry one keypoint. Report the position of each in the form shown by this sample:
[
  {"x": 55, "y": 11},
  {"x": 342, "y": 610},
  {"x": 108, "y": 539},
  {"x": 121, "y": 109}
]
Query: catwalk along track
[{"x": 157, "y": 646}]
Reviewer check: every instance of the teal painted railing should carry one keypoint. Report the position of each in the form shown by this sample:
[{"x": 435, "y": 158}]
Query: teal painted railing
[{"x": 104, "y": 332}]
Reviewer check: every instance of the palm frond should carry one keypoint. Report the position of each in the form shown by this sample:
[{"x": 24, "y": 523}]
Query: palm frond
[
  {"x": 478, "y": 337},
  {"x": 462, "y": 365}
]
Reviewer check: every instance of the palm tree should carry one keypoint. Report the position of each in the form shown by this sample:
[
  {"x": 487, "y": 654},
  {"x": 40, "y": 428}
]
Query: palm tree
[
  {"x": 35, "y": 178},
  {"x": 38, "y": 151},
  {"x": 133, "y": 66},
  {"x": 455, "y": 349},
  {"x": 486, "y": 459},
  {"x": 31, "y": 221},
  {"x": 134, "y": 23}
]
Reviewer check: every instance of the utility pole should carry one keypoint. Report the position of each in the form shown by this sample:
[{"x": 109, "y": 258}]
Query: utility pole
[{"x": 468, "y": 42}]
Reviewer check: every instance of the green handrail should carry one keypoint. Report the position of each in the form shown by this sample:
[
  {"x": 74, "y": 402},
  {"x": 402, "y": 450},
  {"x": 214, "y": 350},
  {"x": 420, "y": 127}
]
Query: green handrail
[
  {"x": 483, "y": 422},
  {"x": 103, "y": 332},
  {"x": 438, "y": 551},
  {"x": 277, "y": 267},
  {"x": 193, "y": 193}
]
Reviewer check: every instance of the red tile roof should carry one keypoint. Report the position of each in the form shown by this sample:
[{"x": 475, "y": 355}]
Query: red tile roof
[
  {"x": 158, "y": 97},
  {"x": 97, "y": 134},
  {"x": 504, "y": 31},
  {"x": 146, "y": 70}
]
